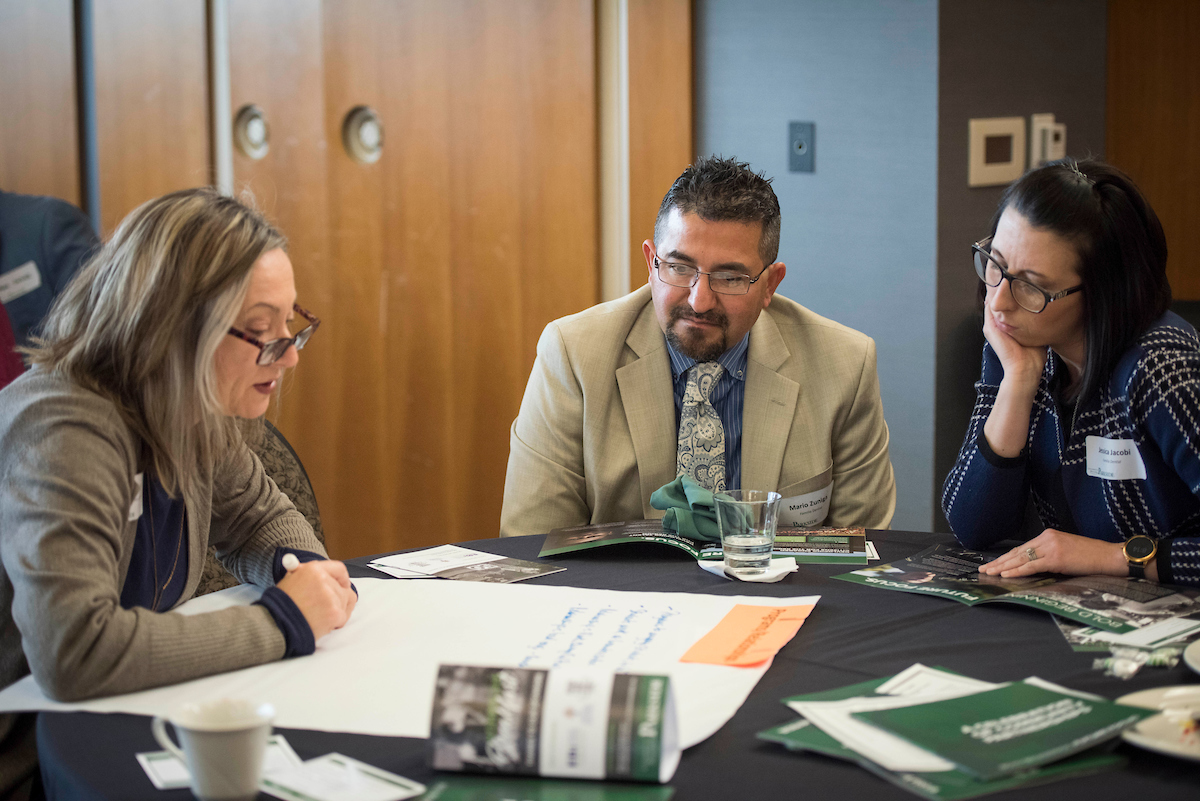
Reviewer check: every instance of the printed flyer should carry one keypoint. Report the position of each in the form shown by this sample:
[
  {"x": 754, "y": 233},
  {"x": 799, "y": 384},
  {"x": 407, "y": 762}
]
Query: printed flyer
[
  {"x": 503, "y": 788},
  {"x": 1111, "y": 603},
  {"x": 847, "y": 546},
  {"x": 945, "y": 785},
  {"x": 1008, "y": 730},
  {"x": 576, "y": 723},
  {"x": 460, "y": 564}
]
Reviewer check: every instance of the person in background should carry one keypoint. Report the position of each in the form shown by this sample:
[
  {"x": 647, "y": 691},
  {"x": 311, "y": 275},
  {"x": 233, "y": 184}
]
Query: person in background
[
  {"x": 43, "y": 243},
  {"x": 11, "y": 365},
  {"x": 1090, "y": 390},
  {"x": 120, "y": 461},
  {"x": 702, "y": 373}
]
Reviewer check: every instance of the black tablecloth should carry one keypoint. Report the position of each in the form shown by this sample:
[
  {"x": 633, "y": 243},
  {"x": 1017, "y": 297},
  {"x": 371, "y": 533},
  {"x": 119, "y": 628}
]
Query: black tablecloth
[{"x": 855, "y": 633}]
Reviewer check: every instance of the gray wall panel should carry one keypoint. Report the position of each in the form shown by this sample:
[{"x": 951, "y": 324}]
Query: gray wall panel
[{"x": 859, "y": 234}]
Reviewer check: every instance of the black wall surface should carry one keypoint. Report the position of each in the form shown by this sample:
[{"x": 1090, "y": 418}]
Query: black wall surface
[{"x": 998, "y": 58}]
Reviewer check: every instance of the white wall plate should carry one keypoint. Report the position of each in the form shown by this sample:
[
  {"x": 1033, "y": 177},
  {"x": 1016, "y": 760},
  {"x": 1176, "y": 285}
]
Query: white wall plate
[{"x": 995, "y": 151}]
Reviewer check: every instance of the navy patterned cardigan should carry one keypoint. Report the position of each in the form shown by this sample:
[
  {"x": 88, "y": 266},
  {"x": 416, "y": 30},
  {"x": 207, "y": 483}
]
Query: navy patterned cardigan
[{"x": 1153, "y": 398}]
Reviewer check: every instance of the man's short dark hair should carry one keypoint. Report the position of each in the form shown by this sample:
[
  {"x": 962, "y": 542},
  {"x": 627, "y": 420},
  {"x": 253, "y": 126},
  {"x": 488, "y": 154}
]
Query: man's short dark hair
[{"x": 725, "y": 190}]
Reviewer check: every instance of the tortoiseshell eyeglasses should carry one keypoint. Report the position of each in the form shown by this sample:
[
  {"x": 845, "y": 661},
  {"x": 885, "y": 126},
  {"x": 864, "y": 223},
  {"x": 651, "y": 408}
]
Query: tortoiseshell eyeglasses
[{"x": 272, "y": 351}]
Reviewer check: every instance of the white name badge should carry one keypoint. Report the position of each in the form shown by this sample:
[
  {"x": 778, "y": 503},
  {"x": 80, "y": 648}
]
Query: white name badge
[
  {"x": 1114, "y": 459},
  {"x": 18, "y": 282},
  {"x": 806, "y": 510},
  {"x": 135, "y": 508}
]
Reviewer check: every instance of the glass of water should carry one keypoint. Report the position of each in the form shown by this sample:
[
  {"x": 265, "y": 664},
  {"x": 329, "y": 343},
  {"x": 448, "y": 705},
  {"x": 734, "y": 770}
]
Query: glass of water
[{"x": 746, "y": 519}]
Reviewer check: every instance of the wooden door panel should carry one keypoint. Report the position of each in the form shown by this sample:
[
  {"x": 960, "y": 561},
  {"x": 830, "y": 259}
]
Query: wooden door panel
[
  {"x": 151, "y": 70},
  {"x": 39, "y": 140},
  {"x": 476, "y": 228},
  {"x": 277, "y": 64},
  {"x": 1153, "y": 119}
]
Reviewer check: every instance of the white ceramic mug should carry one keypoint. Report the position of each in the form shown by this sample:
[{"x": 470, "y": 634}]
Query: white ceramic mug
[{"x": 224, "y": 742}]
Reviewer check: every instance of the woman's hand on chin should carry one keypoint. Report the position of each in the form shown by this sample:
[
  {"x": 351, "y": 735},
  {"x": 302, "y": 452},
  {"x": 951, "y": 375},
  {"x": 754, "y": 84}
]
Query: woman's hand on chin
[
  {"x": 1059, "y": 552},
  {"x": 1022, "y": 364}
]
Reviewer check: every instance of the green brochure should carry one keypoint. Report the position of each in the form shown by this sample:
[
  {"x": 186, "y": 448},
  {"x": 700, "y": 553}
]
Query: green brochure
[
  {"x": 576, "y": 724},
  {"x": 955, "y": 785},
  {"x": 479, "y": 788},
  {"x": 1111, "y": 603},
  {"x": 1014, "y": 728},
  {"x": 839, "y": 546}
]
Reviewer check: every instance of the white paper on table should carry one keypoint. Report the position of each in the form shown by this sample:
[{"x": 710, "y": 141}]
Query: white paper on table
[
  {"x": 164, "y": 770},
  {"x": 872, "y": 554},
  {"x": 881, "y": 747},
  {"x": 779, "y": 567},
  {"x": 1151, "y": 636},
  {"x": 376, "y": 675},
  {"x": 167, "y": 772},
  {"x": 400, "y": 573},
  {"x": 335, "y": 777},
  {"x": 1058, "y": 688},
  {"x": 434, "y": 560},
  {"x": 918, "y": 680}
]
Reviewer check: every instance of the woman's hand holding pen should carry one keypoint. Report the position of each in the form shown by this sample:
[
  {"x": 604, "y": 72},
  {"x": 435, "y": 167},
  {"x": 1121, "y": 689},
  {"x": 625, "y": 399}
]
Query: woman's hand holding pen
[{"x": 322, "y": 591}]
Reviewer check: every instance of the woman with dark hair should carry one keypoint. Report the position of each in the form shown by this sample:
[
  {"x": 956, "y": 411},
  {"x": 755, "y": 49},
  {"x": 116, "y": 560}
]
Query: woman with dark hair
[
  {"x": 1090, "y": 394},
  {"x": 121, "y": 462}
]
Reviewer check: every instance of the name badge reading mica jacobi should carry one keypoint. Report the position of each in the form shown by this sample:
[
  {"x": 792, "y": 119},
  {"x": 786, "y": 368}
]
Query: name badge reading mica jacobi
[{"x": 1114, "y": 459}]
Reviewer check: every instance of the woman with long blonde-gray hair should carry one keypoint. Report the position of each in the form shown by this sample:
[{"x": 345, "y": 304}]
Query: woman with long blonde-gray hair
[{"x": 120, "y": 461}]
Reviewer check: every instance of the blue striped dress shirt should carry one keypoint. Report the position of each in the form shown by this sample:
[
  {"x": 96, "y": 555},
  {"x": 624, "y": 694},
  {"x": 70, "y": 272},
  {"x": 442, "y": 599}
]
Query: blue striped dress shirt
[{"x": 728, "y": 398}]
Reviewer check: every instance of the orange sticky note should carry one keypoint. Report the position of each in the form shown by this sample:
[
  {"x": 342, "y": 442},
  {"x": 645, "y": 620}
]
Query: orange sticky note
[{"x": 748, "y": 635}]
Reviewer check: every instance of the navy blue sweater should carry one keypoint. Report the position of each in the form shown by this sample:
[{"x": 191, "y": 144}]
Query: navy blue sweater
[
  {"x": 158, "y": 568},
  {"x": 1151, "y": 398}
]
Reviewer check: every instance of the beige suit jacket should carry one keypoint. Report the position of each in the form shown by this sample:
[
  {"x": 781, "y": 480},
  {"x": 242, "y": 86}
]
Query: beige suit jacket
[{"x": 596, "y": 434}]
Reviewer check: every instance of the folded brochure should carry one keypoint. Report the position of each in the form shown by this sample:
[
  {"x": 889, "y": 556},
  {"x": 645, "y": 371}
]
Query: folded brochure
[
  {"x": 1111, "y": 603},
  {"x": 517, "y": 788},
  {"x": 1008, "y": 730},
  {"x": 460, "y": 564},
  {"x": 567, "y": 723},
  {"x": 945, "y": 785},
  {"x": 808, "y": 545}
]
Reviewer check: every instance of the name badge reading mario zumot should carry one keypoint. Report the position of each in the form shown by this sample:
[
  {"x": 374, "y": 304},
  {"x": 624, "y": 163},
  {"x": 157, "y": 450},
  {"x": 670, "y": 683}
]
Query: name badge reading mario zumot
[
  {"x": 1114, "y": 459},
  {"x": 806, "y": 510}
]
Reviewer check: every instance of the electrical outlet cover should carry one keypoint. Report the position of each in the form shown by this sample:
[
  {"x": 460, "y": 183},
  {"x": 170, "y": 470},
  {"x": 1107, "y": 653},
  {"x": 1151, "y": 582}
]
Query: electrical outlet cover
[{"x": 802, "y": 146}]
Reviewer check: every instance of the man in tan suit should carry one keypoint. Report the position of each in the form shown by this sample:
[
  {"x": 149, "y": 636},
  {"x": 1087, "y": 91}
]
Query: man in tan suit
[{"x": 702, "y": 372}]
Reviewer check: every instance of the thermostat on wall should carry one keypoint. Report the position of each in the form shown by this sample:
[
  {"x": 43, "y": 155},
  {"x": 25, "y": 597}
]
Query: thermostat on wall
[
  {"x": 1047, "y": 140},
  {"x": 995, "y": 150}
]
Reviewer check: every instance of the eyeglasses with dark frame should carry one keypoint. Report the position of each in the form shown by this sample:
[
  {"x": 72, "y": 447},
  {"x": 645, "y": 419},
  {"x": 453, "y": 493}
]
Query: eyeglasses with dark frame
[
  {"x": 271, "y": 351},
  {"x": 1028, "y": 295},
  {"x": 723, "y": 282}
]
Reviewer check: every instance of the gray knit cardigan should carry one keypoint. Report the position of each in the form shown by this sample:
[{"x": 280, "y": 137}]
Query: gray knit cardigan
[{"x": 67, "y": 484}]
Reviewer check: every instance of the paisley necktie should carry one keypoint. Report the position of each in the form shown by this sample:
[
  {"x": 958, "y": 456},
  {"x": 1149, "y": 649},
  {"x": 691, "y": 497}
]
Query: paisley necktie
[{"x": 701, "y": 453}]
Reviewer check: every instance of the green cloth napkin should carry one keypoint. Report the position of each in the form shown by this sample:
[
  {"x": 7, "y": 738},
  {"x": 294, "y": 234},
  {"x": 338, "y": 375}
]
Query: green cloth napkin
[{"x": 690, "y": 509}]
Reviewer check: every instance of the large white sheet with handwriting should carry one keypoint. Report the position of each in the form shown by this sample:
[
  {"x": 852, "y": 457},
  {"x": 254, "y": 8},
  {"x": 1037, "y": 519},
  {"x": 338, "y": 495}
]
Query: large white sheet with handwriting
[{"x": 376, "y": 675}]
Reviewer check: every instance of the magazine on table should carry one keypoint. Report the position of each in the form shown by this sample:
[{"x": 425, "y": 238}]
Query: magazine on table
[
  {"x": 920, "y": 772},
  {"x": 460, "y": 564},
  {"x": 1110, "y": 603},
  {"x": 808, "y": 545},
  {"x": 1008, "y": 730}
]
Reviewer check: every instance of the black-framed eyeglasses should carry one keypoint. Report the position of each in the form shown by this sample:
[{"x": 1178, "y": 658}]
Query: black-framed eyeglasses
[
  {"x": 1029, "y": 296},
  {"x": 270, "y": 352},
  {"x": 722, "y": 282}
]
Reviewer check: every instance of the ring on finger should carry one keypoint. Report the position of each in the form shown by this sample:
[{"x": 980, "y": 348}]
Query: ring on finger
[{"x": 1031, "y": 553}]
